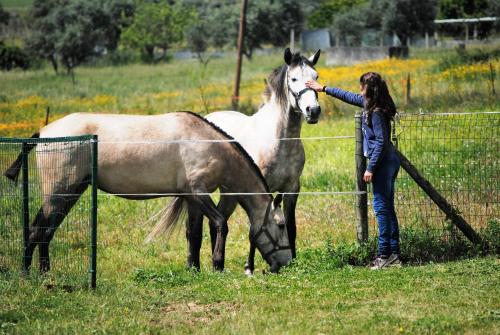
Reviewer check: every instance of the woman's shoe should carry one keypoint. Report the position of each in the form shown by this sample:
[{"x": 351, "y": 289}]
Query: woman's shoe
[
  {"x": 394, "y": 261},
  {"x": 379, "y": 263}
]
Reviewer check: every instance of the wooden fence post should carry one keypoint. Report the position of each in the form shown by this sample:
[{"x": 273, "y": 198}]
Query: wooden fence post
[
  {"x": 47, "y": 115},
  {"x": 492, "y": 79},
  {"x": 408, "y": 90},
  {"x": 361, "y": 196}
]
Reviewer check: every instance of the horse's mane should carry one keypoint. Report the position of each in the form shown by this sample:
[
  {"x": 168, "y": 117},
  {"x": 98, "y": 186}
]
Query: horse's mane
[
  {"x": 235, "y": 145},
  {"x": 277, "y": 79}
]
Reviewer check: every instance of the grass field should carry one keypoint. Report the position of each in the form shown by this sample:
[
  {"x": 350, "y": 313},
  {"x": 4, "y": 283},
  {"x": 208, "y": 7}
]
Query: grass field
[{"x": 146, "y": 288}]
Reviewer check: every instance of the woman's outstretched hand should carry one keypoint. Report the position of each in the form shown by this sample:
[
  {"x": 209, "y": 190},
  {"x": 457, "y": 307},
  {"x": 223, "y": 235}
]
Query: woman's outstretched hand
[{"x": 314, "y": 85}]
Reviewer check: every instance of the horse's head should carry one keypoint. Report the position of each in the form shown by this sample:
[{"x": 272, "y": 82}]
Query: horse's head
[
  {"x": 272, "y": 237},
  {"x": 299, "y": 70}
]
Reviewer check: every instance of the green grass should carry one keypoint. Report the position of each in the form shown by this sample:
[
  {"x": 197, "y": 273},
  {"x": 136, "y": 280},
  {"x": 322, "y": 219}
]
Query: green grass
[{"x": 456, "y": 297}]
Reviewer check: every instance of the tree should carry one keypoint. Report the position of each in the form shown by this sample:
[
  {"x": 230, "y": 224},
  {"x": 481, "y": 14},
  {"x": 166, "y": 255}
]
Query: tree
[
  {"x": 72, "y": 31},
  {"x": 268, "y": 22},
  {"x": 44, "y": 31},
  {"x": 156, "y": 26},
  {"x": 350, "y": 24},
  {"x": 324, "y": 15},
  {"x": 494, "y": 10},
  {"x": 4, "y": 16},
  {"x": 455, "y": 9},
  {"x": 406, "y": 18}
]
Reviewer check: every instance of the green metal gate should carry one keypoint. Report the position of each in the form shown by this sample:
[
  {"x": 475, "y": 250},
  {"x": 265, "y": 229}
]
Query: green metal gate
[{"x": 73, "y": 250}]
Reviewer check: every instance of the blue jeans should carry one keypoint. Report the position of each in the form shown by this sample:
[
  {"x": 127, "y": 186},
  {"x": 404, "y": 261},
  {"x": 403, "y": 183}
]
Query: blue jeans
[{"x": 383, "y": 181}]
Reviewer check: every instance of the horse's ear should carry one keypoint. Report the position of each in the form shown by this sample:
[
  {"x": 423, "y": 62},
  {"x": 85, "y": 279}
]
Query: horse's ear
[
  {"x": 314, "y": 58},
  {"x": 277, "y": 200},
  {"x": 288, "y": 56}
]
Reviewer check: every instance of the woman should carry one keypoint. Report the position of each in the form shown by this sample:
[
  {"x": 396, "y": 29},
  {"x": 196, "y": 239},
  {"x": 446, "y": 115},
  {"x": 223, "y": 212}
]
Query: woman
[{"x": 378, "y": 111}]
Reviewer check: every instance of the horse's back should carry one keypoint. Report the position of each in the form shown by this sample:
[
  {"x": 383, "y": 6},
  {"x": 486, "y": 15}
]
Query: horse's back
[
  {"x": 114, "y": 126},
  {"x": 228, "y": 121},
  {"x": 137, "y": 153}
]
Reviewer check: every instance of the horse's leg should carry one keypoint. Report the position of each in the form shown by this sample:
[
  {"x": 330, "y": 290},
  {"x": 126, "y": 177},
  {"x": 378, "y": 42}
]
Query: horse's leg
[
  {"x": 194, "y": 230},
  {"x": 289, "y": 204},
  {"x": 59, "y": 208},
  {"x": 226, "y": 207},
  {"x": 207, "y": 206},
  {"x": 250, "y": 265},
  {"x": 37, "y": 229}
]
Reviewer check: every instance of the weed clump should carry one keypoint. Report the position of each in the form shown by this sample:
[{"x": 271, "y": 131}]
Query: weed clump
[{"x": 417, "y": 247}]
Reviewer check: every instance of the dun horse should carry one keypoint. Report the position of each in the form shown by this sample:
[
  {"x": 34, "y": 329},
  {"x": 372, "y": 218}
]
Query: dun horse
[
  {"x": 171, "y": 154},
  {"x": 288, "y": 103}
]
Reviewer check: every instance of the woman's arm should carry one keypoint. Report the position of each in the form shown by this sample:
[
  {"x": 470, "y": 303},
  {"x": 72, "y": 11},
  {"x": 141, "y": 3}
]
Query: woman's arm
[
  {"x": 379, "y": 126},
  {"x": 345, "y": 96}
]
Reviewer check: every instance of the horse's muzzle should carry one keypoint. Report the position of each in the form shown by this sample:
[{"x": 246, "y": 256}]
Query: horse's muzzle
[
  {"x": 313, "y": 114},
  {"x": 281, "y": 258}
]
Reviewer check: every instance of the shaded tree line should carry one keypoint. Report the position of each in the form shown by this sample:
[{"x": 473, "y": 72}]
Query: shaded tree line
[
  {"x": 68, "y": 33},
  {"x": 404, "y": 18}
]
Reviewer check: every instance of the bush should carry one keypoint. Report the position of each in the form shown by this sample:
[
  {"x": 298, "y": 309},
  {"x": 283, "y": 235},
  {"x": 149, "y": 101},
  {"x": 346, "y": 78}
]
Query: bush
[
  {"x": 12, "y": 57},
  {"x": 464, "y": 57}
]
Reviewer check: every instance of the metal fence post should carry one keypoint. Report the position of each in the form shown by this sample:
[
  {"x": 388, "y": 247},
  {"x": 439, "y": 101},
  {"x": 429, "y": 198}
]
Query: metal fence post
[
  {"x": 26, "y": 203},
  {"x": 93, "y": 259},
  {"x": 361, "y": 196}
]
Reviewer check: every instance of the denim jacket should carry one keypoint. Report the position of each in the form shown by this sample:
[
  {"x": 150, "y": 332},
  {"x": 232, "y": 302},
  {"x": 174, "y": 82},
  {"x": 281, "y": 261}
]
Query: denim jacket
[{"x": 376, "y": 132}]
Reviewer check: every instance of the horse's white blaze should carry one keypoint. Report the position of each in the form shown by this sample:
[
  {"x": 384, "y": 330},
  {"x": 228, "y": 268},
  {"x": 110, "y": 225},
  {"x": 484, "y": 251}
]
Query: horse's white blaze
[{"x": 297, "y": 78}]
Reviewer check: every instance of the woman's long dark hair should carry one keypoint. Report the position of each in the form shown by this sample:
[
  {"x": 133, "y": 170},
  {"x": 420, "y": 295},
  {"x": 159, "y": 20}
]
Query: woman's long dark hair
[{"x": 377, "y": 97}]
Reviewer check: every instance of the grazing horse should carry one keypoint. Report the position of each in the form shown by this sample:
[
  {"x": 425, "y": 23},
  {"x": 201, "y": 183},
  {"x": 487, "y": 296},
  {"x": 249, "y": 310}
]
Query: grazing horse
[
  {"x": 171, "y": 153},
  {"x": 288, "y": 102}
]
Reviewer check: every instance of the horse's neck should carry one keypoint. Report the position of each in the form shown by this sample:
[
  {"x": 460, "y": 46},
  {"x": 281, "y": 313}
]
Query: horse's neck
[
  {"x": 285, "y": 123},
  {"x": 255, "y": 206},
  {"x": 254, "y": 197}
]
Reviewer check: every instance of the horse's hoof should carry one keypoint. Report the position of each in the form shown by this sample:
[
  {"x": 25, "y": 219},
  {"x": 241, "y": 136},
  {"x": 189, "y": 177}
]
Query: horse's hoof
[
  {"x": 248, "y": 273},
  {"x": 218, "y": 266},
  {"x": 44, "y": 267}
]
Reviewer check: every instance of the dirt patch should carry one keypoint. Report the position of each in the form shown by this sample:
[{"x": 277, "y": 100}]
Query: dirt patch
[{"x": 192, "y": 313}]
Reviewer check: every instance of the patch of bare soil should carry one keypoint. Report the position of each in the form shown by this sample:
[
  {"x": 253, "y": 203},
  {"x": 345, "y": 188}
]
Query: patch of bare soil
[{"x": 192, "y": 313}]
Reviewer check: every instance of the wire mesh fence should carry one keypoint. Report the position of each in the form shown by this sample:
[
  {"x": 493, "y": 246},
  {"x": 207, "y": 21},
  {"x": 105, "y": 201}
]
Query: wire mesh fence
[
  {"x": 459, "y": 155},
  {"x": 45, "y": 187}
]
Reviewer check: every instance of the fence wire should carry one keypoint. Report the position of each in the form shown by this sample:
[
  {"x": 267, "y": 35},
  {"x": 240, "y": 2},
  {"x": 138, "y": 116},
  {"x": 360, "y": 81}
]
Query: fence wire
[
  {"x": 459, "y": 155},
  {"x": 50, "y": 165}
]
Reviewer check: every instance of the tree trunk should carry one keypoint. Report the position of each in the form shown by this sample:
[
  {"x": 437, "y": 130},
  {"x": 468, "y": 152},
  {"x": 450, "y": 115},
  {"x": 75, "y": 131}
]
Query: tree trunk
[
  {"x": 53, "y": 61},
  {"x": 149, "y": 53}
]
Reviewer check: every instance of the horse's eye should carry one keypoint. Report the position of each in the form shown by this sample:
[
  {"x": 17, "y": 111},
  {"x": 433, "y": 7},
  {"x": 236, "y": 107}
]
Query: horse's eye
[{"x": 294, "y": 79}]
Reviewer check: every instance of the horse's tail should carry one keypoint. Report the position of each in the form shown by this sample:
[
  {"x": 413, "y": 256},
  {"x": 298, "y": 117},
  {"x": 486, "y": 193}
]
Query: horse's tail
[
  {"x": 13, "y": 171},
  {"x": 172, "y": 214}
]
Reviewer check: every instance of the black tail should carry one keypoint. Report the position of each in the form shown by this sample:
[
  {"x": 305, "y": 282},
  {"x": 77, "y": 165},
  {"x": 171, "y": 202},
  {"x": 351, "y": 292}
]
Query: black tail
[{"x": 13, "y": 172}]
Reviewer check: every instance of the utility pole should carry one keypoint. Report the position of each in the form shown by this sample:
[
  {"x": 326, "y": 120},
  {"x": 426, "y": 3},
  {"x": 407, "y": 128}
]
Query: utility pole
[{"x": 236, "y": 93}]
